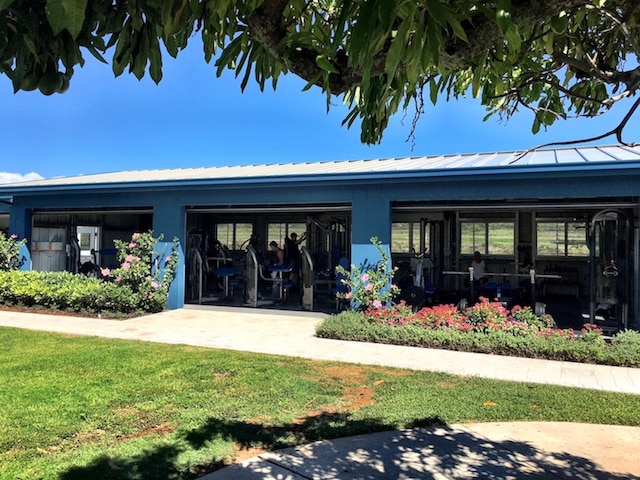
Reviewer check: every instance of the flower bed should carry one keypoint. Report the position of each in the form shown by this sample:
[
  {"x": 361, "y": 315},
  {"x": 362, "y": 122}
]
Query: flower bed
[{"x": 487, "y": 327}]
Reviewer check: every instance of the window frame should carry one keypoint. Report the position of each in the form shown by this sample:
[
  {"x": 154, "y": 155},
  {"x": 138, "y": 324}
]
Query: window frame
[
  {"x": 485, "y": 248},
  {"x": 236, "y": 243},
  {"x": 566, "y": 240}
]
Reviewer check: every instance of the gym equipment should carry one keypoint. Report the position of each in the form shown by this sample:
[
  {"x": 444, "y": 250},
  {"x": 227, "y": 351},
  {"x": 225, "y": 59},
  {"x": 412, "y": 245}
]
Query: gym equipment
[{"x": 253, "y": 274}]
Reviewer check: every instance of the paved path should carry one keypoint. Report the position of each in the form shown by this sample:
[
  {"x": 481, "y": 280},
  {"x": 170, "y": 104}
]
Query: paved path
[{"x": 490, "y": 450}]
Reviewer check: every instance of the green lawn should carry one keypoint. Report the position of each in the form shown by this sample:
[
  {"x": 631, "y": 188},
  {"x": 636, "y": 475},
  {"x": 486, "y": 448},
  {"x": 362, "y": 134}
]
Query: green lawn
[{"x": 80, "y": 408}]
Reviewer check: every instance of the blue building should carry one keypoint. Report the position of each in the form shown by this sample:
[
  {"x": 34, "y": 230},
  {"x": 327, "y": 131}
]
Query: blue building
[{"x": 557, "y": 226}]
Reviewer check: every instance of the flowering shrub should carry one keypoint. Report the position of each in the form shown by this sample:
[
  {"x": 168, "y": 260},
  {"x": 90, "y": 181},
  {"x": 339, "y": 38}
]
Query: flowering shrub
[
  {"x": 492, "y": 329},
  {"x": 443, "y": 316},
  {"x": 487, "y": 315},
  {"x": 369, "y": 286},
  {"x": 526, "y": 315},
  {"x": 396, "y": 315},
  {"x": 10, "y": 252},
  {"x": 591, "y": 333},
  {"x": 483, "y": 317},
  {"x": 137, "y": 271}
]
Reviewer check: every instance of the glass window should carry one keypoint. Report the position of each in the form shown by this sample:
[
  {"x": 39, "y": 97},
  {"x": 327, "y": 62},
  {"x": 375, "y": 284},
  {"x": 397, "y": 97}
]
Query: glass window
[
  {"x": 279, "y": 231},
  {"x": 561, "y": 239},
  {"x": 405, "y": 237},
  {"x": 500, "y": 238},
  {"x": 243, "y": 234},
  {"x": 473, "y": 237},
  {"x": 488, "y": 238},
  {"x": 233, "y": 234}
]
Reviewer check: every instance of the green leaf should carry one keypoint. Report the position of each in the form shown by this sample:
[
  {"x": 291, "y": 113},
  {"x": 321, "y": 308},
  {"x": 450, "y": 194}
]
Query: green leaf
[
  {"x": 4, "y": 4},
  {"x": 431, "y": 53},
  {"x": 95, "y": 53},
  {"x": 433, "y": 91},
  {"x": 56, "y": 15},
  {"x": 503, "y": 19},
  {"x": 437, "y": 12},
  {"x": 67, "y": 14},
  {"x": 513, "y": 37},
  {"x": 559, "y": 24},
  {"x": 323, "y": 62},
  {"x": 477, "y": 79},
  {"x": 397, "y": 50},
  {"x": 535, "y": 128},
  {"x": 155, "y": 57},
  {"x": 456, "y": 26}
]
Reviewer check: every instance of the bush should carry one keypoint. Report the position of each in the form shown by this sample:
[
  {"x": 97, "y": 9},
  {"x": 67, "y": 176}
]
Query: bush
[
  {"x": 134, "y": 287},
  {"x": 10, "y": 252},
  {"x": 65, "y": 291},
  {"x": 369, "y": 285},
  {"x": 625, "y": 349},
  {"x": 137, "y": 272},
  {"x": 485, "y": 328}
]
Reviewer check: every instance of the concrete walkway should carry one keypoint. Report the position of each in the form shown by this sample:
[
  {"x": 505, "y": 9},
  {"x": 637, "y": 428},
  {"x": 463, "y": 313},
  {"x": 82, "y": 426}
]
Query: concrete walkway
[{"x": 512, "y": 450}]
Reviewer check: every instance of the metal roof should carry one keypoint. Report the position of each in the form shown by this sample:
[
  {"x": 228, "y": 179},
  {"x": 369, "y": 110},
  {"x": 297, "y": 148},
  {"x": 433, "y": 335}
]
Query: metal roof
[{"x": 502, "y": 161}]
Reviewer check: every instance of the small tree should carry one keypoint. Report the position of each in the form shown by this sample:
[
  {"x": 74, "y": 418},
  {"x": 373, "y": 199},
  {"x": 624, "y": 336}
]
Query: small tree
[
  {"x": 370, "y": 285},
  {"x": 10, "y": 258}
]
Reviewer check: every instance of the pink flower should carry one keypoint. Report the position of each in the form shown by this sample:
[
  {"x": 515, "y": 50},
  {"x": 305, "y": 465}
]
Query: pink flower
[
  {"x": 365, "y": 277},
  {"x": 118, "y": 278},
  {"x": 135, "y": 236},
  {"x": 105, "y": 272},
  {"x": 133, "y": 245},
  {"x": 168, "y": 259},
  {"x": 155, "y": 285},
  {"x": 14, "y": 236},
  {"x": 347, "y": 295},
  {"x": 369, "y": 287},
  {"x": 126, "y": 266},
  {"x": 377, "y": 304}
]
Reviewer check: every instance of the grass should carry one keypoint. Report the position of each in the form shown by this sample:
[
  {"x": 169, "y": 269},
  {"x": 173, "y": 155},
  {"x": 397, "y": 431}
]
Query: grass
[{"x": 76, "y": 407}]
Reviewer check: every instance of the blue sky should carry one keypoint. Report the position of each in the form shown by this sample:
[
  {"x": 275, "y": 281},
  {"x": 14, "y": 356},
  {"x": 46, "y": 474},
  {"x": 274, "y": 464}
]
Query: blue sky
[{"x": 194, "y": 119}]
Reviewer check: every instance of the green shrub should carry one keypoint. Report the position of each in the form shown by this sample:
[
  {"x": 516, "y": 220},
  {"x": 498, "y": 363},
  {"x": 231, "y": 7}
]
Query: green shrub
[
  {"x": 65, "y": 291},
  {"x": 526, "y": 315},
  {"x": 134, "y": 287},
  {"x": 625, "y": 349}
]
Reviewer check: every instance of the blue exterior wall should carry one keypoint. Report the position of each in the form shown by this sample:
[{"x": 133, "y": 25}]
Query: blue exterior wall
[
  {"x": 169, "y": 219},
  {"x": 370, "y": 196},
  {"x": 371, "y": 217}
]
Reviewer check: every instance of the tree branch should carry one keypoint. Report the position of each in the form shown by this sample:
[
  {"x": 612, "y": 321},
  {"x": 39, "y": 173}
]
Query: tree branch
[
  {"x": 458, "y": 55},
  {"x": 265, "y": 26},
  {"x": 617, "y": 131}
]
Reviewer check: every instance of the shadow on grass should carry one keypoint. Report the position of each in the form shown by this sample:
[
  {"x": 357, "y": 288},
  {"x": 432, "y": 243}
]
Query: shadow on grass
[{"x": 426, "y": 449}]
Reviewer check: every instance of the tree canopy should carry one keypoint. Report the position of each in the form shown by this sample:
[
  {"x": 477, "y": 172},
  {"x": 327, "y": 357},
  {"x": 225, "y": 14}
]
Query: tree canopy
[{"x": 559, "y": 58}]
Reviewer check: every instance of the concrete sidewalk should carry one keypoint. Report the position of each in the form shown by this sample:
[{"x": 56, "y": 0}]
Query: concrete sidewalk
[
  {"x": 484, "y": 450},
  {"x": 504, "y": 450}
]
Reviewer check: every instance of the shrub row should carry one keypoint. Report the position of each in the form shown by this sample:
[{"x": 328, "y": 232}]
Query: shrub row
[
  {"x": 65, "y": 291},
  {"x": 536, "y": 342}
]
